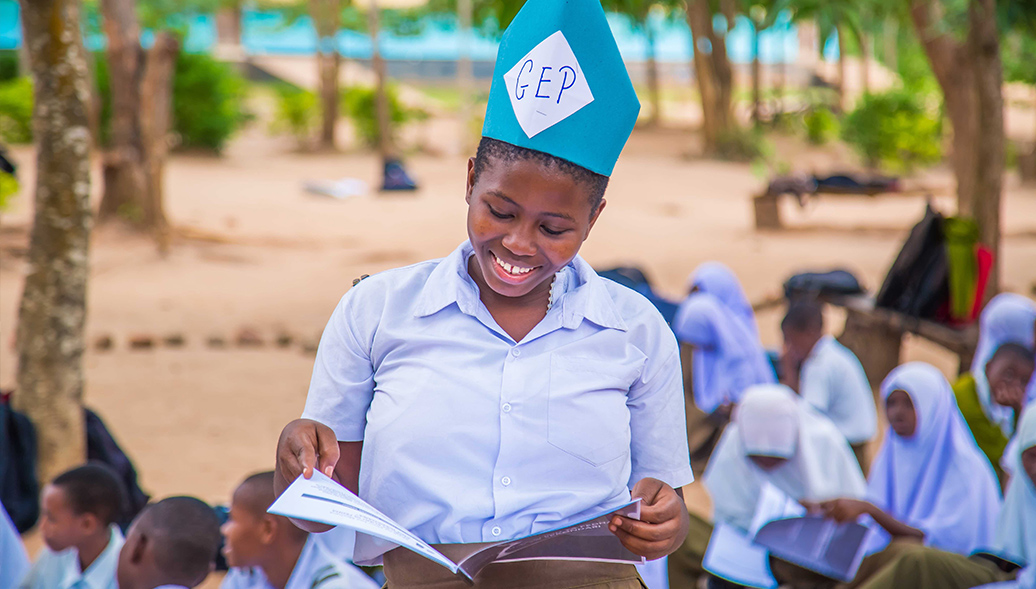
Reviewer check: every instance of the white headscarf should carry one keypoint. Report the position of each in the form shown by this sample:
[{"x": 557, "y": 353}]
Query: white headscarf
[
  {"x": 937, "y": 480},
  {"x": 1007, "y": 318},
  {"x": 727, "y": 357},
  {"x": 772, "y": 420},
  {"x": 1016, "y": 530},
  {"x": 719, "y": 281}
]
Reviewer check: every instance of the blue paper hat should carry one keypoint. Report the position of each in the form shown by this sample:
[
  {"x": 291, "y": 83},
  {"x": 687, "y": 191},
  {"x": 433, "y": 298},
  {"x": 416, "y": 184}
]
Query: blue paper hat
[{"x": 560, "y": 85}]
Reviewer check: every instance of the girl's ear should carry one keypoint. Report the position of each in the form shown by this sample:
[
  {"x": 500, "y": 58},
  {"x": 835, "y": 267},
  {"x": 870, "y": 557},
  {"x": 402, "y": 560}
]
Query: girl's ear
[
  {"x": 593, "y": 218},
  {"x": 470, "y": 182}
]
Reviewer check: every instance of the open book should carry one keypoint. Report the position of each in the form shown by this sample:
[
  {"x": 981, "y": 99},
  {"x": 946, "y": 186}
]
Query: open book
[{"x": 323, "y": 500}]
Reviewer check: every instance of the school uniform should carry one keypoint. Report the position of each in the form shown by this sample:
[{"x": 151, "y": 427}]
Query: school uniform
[
  {"x": 14, "y": 562},
  {"x": 1015, "y": 540},
  {"x": 938, "y": 480},
  {"x": 833, "y": 381},
  {"x": 316, "y": 568},
  {"x": 472, "y": 437},
  {"x": 727, "y": 357},
  {"x": 60, "y": 570}
]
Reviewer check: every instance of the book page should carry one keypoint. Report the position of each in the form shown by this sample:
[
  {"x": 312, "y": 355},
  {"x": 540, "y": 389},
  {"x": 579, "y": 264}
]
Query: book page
[
  {"x": 822, "y": 545},
  {"x": 589, "y": 539},
  {"x": 323, "y": 500}
]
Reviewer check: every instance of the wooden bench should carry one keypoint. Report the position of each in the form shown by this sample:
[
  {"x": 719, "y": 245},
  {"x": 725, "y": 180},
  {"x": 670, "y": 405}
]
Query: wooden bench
[
  {"x": 767, "y": 213},
  {"x": 875, "y": 335}
]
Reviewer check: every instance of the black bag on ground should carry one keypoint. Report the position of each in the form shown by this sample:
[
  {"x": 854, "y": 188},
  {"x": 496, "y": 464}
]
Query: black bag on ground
[
  {"x": 19, "y": 489},
  {"x": 102, "y": 447},
  {"x": 917, "y": 284}
]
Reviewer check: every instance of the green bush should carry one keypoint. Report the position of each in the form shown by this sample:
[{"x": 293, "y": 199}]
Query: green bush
[
  {"x": 9, "y": 65},
  {"x": 102, "y": 79},
  {"x": 16, "y": 111},
  {"x": 208, "y": 101},
  {"x": 358, "y": 103},
  {"x": 821, "y": 125},
  {"x": 894, "y": 131},
  {"x": 297, "y": 113}
]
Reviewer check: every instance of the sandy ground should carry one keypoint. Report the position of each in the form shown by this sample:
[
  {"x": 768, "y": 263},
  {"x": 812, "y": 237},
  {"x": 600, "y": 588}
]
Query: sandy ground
[{"x": 267, "y": 256}]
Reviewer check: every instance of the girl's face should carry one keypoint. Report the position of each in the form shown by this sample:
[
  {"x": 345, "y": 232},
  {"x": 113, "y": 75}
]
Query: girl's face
[
  {"x": 901, "y": 415},
  {"x": 525, "y": 222}
]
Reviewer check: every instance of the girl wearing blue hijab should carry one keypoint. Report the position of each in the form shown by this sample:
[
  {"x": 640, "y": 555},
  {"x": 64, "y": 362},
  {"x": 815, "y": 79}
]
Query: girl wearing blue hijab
[{"x": 715, "y": 279}]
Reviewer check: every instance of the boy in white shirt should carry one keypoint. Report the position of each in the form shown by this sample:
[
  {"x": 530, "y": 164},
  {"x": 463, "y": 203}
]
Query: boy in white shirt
[
  {"x": 827, "y": 375},
  {"x": 267, "y": 551},
  {"x": 171, "y": 545},
  {"x": 78, "y": 512}
]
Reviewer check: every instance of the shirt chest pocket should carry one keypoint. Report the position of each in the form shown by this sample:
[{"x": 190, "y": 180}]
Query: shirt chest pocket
[{"x": 587, "y": 414}]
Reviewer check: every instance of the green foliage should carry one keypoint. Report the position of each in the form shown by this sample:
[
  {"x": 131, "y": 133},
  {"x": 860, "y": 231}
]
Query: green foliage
[
  {"x": 821, "y": 125},
  {"x": 16, "y": 110},
  {"x": 9, "y": 65},
  {"x": 102, "y": 78},
  {"x": 1017, "y": 51},
  {"x": 208, "y": 102},
  {"x": 741, "y": 145},
  {"x": 8, "y": 188},
  {"x": 358, "y": 103},
  {"x": 894, "y": 131},
  {"x": 297, "y": 113}
]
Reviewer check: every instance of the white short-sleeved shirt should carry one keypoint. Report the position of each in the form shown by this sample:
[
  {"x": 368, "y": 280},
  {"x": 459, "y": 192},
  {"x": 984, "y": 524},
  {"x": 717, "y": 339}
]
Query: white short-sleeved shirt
[
  {"x": 60, "y": 570},
  {"x": 833, "y": 381},
  {"x": 316, "y": 568},
  {"x": 14, "y": 562},
  {"x": 470, "y": 436}
]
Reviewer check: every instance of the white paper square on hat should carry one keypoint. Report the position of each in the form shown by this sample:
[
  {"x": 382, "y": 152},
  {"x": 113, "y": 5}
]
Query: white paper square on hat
[{"x": 547, "y": 85}]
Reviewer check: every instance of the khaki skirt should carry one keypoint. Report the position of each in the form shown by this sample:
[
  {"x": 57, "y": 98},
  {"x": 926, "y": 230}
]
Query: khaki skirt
[{"x": 407, "y": 570}]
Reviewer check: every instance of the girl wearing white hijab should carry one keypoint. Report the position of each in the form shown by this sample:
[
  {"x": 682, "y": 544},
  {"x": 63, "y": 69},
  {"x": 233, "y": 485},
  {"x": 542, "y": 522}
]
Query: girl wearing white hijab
[
  {"x": 1015, "y": 539},
  {"x": 1008, "y": 318},
  {"x": 716, "y": 279},
  {"x": 929, "y": 481},
  {"x": 776, "y": 437},
  {"x": 727, "y": 359}
]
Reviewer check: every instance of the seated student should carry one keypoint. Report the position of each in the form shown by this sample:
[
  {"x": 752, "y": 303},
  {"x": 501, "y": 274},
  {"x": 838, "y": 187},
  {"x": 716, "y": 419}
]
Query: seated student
[
  {"x": 1007, "y": 318},
  {"x": 929, "y": 482},
  {"x": 716, "y": 279},
  {"x": 727, "y": 358},
  {"x": 775, "y": 437},
  {"x": 267, "y": 551},
  {"x": 928, "y": 568},
  {"x": 827, "y": 375},
  {"x": 78, "y": 512},
  {"x": 171, "y": 544},
  {"x": 14, "y": 562}
]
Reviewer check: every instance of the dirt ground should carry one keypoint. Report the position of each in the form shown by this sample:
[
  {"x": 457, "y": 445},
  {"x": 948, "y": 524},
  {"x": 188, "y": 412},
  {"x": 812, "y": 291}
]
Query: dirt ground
[{"x": 256, "y": 252}]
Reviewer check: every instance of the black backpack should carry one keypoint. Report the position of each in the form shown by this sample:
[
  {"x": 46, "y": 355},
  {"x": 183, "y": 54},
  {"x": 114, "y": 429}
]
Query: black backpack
[
  {"x": 102, "y": 447},
  {"x": 918, "y": 282},
  {"x": 19, "y": 489}
]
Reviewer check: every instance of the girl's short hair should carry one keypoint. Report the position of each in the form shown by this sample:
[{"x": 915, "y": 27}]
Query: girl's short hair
[{"x": 494, "y": 149}]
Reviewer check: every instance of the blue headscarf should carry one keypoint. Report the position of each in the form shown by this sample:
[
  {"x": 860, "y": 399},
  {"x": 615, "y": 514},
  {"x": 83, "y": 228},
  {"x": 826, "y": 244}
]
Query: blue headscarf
[
  {"x": 1016, "y": 530},
  {"x": 1007, "y": 318},
  {"x": 716, "y": 279},
  {"x": 938, "y": 480},
  {"x": 727, "y": 357}
]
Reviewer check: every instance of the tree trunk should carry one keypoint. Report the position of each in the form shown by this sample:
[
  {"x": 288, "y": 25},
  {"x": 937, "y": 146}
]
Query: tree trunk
[
  {"x": 386, "y": 146},
  {"x": 326, "y": 16},
  {"x": 756, "y": 75},
  {"x": 971, "y": 77},
  {"x": 654, "y": 88},
  {"x": 842, "y": 102},
  {"x": 865, "y": 62},
  {"x": 52, "y": 313},
  {"x": 713, "y": 72},
  {"x": 156, "y": 112},
  {"x": 124, "y": 176}
]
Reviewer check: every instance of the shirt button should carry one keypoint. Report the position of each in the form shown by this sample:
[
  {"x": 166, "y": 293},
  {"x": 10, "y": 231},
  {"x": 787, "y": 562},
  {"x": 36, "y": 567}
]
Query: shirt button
[
  {"x": 506, "y": 407},
  {"x": 516, "y": 352},
  {"x": 506, "y": 481},
  {"x": 496, "y": 530}
]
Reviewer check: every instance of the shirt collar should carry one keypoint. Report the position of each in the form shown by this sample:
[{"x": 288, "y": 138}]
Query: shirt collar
[
  {"x": 299, "y": 578},
  {"x": 583, "y": 293},
  {"x": 101, "y": 572}
]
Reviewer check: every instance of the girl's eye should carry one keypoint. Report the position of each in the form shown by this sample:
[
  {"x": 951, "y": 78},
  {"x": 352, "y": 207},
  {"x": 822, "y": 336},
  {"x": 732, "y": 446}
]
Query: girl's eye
[
  {"x": 550, "y": 231},
  {"x": 498, "y": 214}
]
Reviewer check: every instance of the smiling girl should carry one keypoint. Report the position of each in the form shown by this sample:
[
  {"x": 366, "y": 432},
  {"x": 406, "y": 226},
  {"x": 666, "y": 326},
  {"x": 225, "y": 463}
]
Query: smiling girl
[{"x": 507, "y": 389}]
